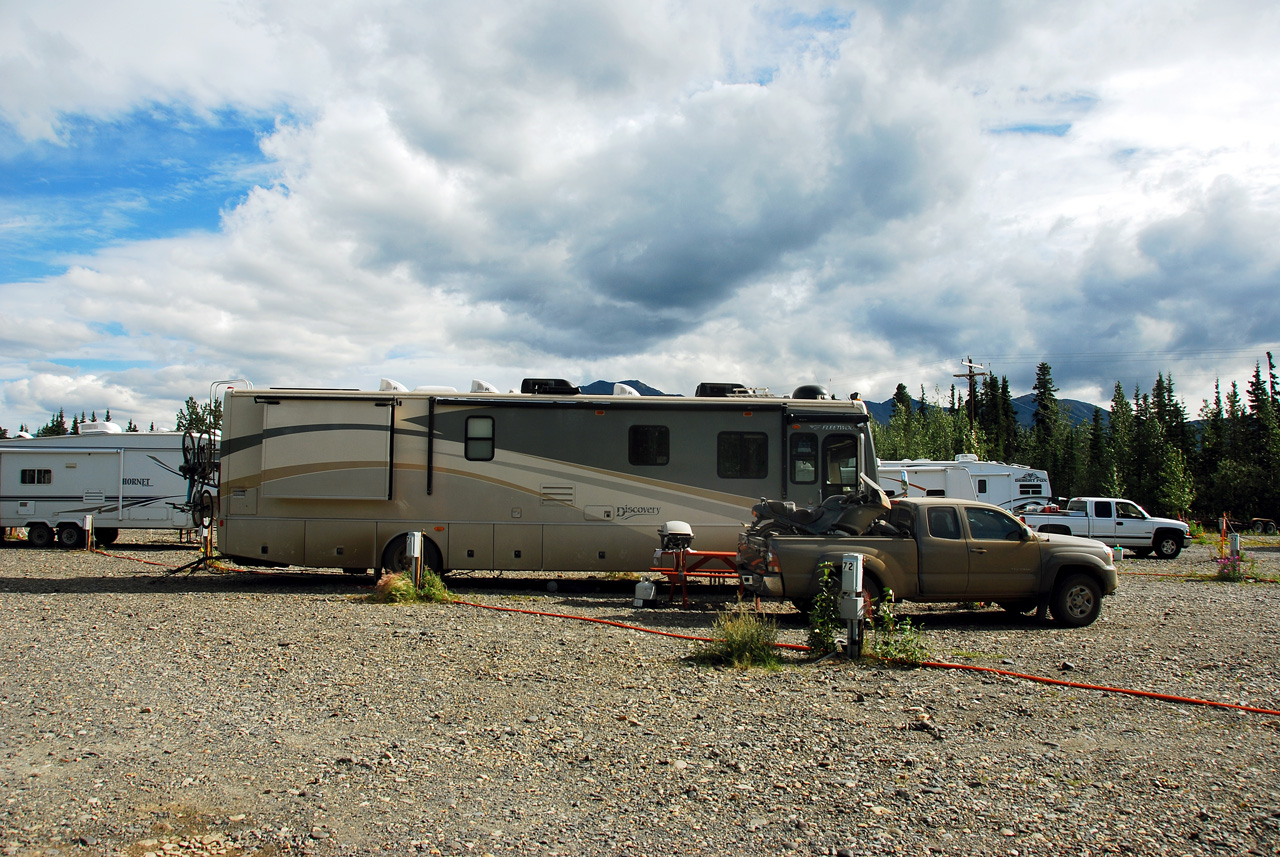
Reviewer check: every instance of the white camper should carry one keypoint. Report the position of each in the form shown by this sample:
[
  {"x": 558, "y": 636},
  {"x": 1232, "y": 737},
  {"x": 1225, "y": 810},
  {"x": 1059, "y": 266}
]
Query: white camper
[
  {"x": 124, "y": 480},
  {"x": 547, "y": 478},
  {"x": 966, "y": 478}
]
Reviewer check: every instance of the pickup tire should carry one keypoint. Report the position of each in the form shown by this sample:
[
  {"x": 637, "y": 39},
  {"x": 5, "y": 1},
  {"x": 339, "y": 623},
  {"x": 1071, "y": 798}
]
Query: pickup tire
[
  {"x": 1077, "y": 600},
  {"x": 1167, "y": 544}
]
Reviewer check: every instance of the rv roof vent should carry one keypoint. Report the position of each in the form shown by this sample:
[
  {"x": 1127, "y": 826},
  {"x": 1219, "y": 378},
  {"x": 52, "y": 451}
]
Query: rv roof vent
[
  {"x": 478, "y": 386},
  {"x": 548, "y": 387},
  {"x": 625, "y": 390},
  {"x": 966, "y": 456},
  {"x": 811, "y": 391},
  {"x": 714, "y": 389},
  {"x": 386, "y": 385},
  {"x": 98, "y": 428}
]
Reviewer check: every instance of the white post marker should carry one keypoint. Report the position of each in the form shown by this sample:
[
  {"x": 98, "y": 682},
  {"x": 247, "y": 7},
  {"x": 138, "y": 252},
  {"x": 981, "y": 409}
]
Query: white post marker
[
  {"x": 88, "y": 532},
  {"x": 851, "y": 600},
  {"x": 413, "y": 548}
]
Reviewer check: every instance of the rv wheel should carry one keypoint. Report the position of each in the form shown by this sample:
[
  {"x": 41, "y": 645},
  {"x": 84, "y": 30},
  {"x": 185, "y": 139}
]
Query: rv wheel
[
  {"x": 103, "y": 536},
  {"x": 396, "y": 557},
  {"x": 39, "y": 536},
  {"x": 70, "y": 536}
]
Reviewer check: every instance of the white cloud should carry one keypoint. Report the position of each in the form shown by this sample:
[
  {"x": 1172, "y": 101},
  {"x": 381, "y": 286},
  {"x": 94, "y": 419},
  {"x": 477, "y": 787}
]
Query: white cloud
[{"x": 676, "y": 192}]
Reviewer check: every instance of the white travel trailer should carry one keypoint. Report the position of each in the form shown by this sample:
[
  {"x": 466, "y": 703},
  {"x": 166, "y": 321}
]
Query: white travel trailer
[
  {"x": 967, "y": 478},
  {"x": 125, "y": 480},
  {"x": 548, "y": 478}
]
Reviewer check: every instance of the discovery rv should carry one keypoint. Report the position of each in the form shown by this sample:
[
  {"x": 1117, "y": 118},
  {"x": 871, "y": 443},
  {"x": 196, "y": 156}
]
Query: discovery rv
[
  {"x": 966, "y": 478},
  {"x": 125, "y": 480},
  {"x": 548, "y": 478}
]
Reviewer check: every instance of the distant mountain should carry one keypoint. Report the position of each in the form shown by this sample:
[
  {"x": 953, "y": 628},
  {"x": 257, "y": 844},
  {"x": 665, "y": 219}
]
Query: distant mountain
[
  {"x": 1024, "y": 408},
  {"x": 605, "y": 388},
  {"x": 1076, "y": 411}
]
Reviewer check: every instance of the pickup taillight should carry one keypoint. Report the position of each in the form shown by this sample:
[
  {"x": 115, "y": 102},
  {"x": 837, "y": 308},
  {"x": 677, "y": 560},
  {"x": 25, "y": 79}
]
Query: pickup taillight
[{"x": 775, "y": 567}]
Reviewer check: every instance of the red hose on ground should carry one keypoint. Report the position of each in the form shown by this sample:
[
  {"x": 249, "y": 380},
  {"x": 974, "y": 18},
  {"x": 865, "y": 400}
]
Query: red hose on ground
[
  {"x": 1081, "y": 685},
  {"x": 1164, "y": 697},
  {"x": 793, "y": 646},
  {"x": 932, "y": 664}
]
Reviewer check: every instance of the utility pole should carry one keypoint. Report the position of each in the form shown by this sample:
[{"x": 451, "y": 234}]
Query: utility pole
[{"x": 972, "y": 375}]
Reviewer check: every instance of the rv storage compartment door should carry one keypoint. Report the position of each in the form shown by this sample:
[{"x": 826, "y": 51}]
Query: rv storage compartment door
[{"x": 327, "y": 449}]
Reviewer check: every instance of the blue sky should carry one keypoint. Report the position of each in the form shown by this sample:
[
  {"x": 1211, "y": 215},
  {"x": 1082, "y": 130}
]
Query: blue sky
[
  {"x": 153, "y": 172},
  {"x": 856, "y": 194}
]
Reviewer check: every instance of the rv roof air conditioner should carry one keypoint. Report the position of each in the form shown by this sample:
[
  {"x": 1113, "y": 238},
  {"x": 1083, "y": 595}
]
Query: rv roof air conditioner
[
  {"x": 386, "y": 385},
  {"x": 716, "y": 390},
  {"x": 625, "y": 390},
  {"x": 812, "y": 391},
  {"x": 478, "y": 386},
  {"x": 98, "y": 428},
  {"x": 548, "y": 387}
]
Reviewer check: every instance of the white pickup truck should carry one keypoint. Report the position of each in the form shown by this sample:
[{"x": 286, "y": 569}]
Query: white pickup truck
[{"x": 1116, "y": 522}]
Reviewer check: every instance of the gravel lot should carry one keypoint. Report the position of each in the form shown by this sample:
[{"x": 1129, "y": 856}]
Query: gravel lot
[{"x": 283, "y": 714}]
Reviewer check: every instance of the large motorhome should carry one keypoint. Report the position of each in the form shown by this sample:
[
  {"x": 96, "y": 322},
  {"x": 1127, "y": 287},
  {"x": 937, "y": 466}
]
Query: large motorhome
[
  {"x": 125, "y": 480},
  {"x": 548, "y": 478},
  {"x": 966, "y": 478}
]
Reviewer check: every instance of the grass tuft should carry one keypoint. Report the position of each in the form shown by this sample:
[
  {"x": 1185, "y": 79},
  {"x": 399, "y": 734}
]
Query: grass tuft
[
  {"x": 399, "y": 589},
  {"x": 743, "y": 640}
]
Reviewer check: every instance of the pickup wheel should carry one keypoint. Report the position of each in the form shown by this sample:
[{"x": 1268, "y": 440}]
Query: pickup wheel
[
  {"x": 1077, "y": 601},
  {"x": 1168, "y": 545}
]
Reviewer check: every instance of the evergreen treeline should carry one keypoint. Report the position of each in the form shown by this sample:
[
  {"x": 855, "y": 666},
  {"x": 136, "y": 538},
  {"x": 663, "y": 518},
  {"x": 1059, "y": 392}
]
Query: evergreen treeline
[
  {"x": 193, "y": 416},
  {"x": 1222, "y": 461}
]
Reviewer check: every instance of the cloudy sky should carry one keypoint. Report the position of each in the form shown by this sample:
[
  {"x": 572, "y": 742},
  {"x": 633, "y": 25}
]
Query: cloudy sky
[{"x": 856, "y": 194}]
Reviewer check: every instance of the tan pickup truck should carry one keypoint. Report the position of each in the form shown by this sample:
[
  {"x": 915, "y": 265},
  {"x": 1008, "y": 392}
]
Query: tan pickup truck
[{"x": 942, "y": 549}]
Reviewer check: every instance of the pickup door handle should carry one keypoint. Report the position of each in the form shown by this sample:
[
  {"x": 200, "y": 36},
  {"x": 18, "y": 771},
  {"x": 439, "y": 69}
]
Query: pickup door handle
[
  {"x": 977, "y": 550},
  {"x": 1119, "y": 523}
]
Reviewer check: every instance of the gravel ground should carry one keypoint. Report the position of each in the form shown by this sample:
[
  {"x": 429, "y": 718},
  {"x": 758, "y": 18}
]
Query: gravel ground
[{"x": 254, "y": 714}]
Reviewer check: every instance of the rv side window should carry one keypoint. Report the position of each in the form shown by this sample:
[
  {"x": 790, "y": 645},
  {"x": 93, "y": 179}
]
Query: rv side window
[
  {"x": 37, "y": 477},
  {"x": 1029, "y": 490},
  {"x": 479, "y": 439},
  {"x": 804, "y": 458},
  {"x": 982, "y": 486},
  {"x": 649, "y": 446},
  {"x": 742, "y": 455}
]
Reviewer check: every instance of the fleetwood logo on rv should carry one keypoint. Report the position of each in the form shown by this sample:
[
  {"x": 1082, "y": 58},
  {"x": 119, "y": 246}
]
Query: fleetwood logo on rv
[{"x": 625, "y": 512}]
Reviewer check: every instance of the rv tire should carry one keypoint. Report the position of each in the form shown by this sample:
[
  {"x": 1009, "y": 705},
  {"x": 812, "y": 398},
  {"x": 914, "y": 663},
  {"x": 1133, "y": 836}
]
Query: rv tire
[
  {"x": 104, "y": 536},
  {"x": 39, "y": 536},
  {"x": 70, "y": 536}
]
